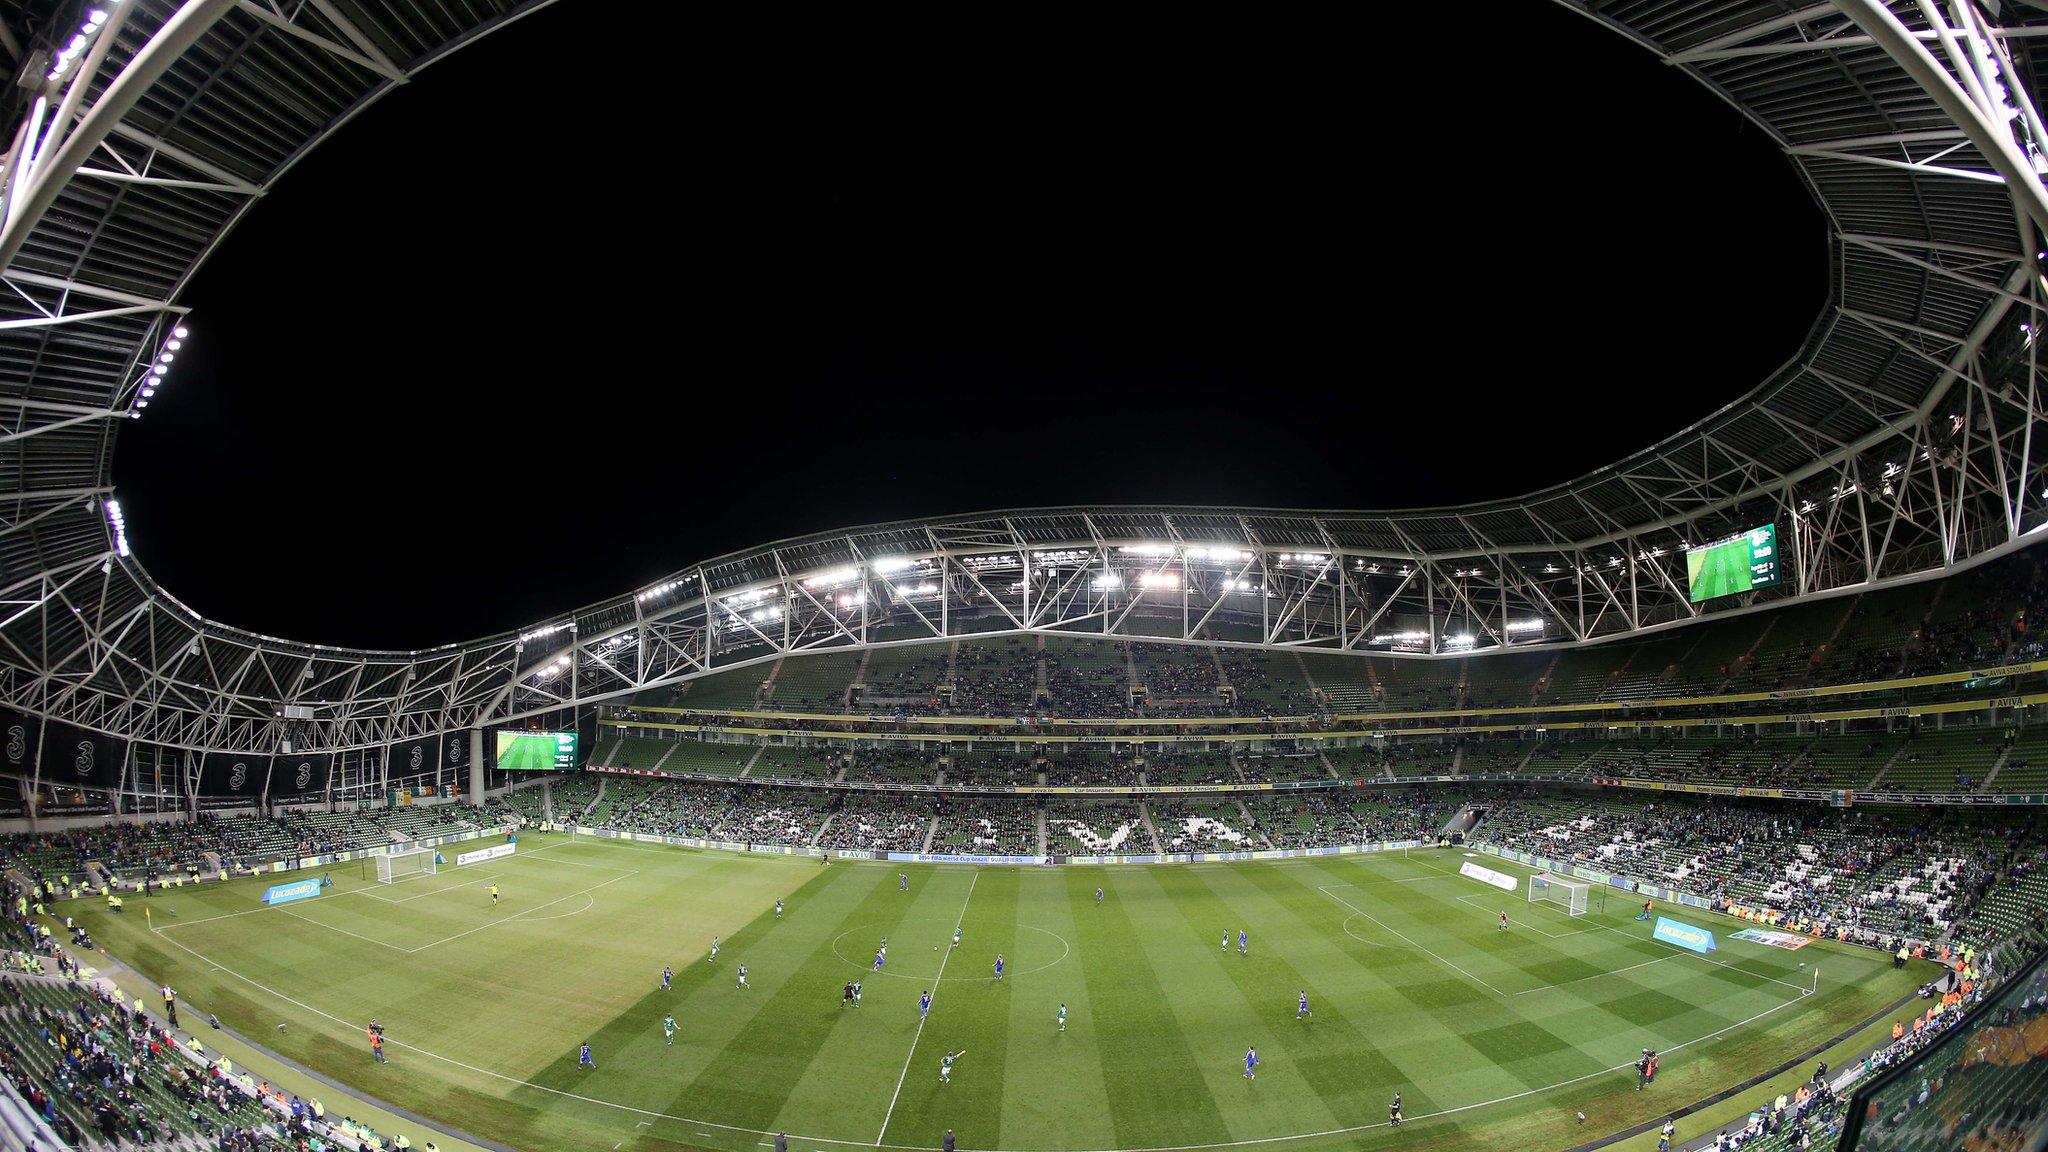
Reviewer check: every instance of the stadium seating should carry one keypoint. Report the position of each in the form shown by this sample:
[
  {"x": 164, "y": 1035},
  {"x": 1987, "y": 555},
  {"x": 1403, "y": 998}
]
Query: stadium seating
[
  {"x": 1560, "y": 757},
  {"x": 1506, "y": 681},
  {"x": 1095, "y": 828},
  {"x": 1418, "y": 685},
  {"x": 1266, "y": 683},
  {"x": 1345, "y": 683},
  {"x": 990, "y": 768},
  {"x": 813, "y": 683},
  {"x": 738, "y": 690},
  {"x": 988, "y": 827},
  {"x": 1275, "y": 767},
  {"x": 163, "y": 1099},
  {"x": 709, "y": 759},
  {"x": 798, "y": 763},
  {"x": 877, "y": 823},
  {"x": 1190, "y": 768},
  {"x": 1091, "y": 766},
  {"x": 995, "y": 677},
  {"x": 906, "y": 675},
  {"x": 1955, "y": 760},
  {"x": 1587, "y": 674},
  {"x": 1201, "y": 826},
  {"x": 630, "y": 751},
  {"x": 1179, "y": 679},
  {"x": 1087, "y": 677},
  {"x": 901, "y": 767}
]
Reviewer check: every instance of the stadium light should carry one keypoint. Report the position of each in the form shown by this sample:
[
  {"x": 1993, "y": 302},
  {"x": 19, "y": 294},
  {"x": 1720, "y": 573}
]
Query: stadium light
[
  {"x": 158, "y": 371},
  {"x": 661, "y": 589},
  {"x": 889, "y": 564},
  {"x": 1107, "y": 581},
  {"x": 1401, "y": 638},
  {"x": 120, "y": 523},
  {"x": 1147, "y": 550},
  {"x": 1460, "y": 640},
  {"x": 1167, "y": 580},
  {"x": 80, "y": 41},
  {"x": 549, "y": 630},
  {"x": 833, "y": 578},
  {"x": 1535, "y": 625}
]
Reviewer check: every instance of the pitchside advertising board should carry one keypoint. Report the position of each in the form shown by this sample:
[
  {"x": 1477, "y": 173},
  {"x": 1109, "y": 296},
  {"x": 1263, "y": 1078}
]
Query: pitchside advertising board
[
  {"x": 296, "y": 890},
  {"x": 1485, "y": 875},
  {"x": 494, "y": 852},
  {"x": 1683, "y": 936}
]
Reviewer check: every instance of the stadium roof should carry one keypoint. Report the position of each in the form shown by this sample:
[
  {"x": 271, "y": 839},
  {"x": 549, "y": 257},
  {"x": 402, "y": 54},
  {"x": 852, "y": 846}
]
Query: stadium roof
[{"x": 1897, "y": 441}]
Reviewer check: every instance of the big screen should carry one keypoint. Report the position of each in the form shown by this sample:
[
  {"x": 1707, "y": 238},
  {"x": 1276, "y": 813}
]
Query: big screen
[
  {"x": 1737, "y": 564},
  {"x": 537, "y": 751}
]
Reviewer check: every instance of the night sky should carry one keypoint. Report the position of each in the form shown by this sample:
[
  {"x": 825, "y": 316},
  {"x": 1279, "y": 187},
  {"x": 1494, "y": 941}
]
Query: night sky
[{"x": 549, "y": 323}]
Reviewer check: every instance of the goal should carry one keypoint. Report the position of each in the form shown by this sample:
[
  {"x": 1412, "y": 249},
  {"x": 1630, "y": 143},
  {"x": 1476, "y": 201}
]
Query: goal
[
  {"x": 1572, "y": 894},
  {"x": 393, "y": 867}
]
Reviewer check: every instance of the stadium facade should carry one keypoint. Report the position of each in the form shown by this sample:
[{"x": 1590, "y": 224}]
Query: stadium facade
[{"x": 1897, "y": 443}]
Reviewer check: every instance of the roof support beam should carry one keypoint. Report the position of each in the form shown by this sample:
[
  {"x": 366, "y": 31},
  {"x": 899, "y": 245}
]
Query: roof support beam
[{"x": 183, "y": 30}]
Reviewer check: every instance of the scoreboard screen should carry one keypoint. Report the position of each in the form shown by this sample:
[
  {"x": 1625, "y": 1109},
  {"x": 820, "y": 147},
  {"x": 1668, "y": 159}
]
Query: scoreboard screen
[
  {"x": 537, "y": 751},
  {"x": 1737, "y": 564}
]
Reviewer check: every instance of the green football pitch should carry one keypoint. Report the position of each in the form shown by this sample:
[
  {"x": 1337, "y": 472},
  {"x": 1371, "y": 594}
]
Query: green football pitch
[
  {"x": 1494, "y": 1037},
  {"x": 1719, "y": 571},
  {"x": 526, "y": 752}
]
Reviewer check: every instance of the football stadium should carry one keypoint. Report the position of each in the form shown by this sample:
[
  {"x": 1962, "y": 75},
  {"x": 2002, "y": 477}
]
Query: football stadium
[{"x": 1693, "y": 803}]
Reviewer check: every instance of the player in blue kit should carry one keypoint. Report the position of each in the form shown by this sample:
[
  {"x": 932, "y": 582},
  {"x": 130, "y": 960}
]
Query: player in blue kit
[
  {"x": 1242, "y": 942},
  {"x": 1251, "y": 1063},
  {"x": 879, "y": 957},
  {"x": 903, "y": 882},
  {"x": 583, "y": 1060},
  {"x": 999, "y": 965},
  {"x": 924, "y": 1004},
  {"x": 1098, "y": 895},
  {"x": 667, "y": 974},
  {"x": 1301, "y": 1011}
]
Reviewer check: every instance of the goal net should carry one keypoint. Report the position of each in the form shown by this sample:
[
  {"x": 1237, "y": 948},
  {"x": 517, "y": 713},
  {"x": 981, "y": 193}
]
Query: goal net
[
  {"x": 393, "y": 867},
  {"x": 1570, "y": 894}
]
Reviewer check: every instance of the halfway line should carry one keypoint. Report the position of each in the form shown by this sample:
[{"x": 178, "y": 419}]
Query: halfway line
[{"x": 972, "y": 880}]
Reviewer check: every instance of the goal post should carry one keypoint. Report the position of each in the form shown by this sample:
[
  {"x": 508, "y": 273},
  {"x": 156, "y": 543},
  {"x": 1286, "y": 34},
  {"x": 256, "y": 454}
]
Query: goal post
[
  {"x": 393, "y": 867},
  {"x": 1572, "y": 895}
]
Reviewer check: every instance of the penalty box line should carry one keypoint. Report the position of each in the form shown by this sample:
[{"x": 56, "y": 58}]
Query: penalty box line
[
  {"x": 1472, "y": 897},
  {"x": 1684, "y": 954},
  {"x": 1325, "y": 890},
  {"x": 397, "y": 948}
]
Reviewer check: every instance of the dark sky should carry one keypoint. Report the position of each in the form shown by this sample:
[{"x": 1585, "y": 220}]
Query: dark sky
[{"x": 545, "y": 325}]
